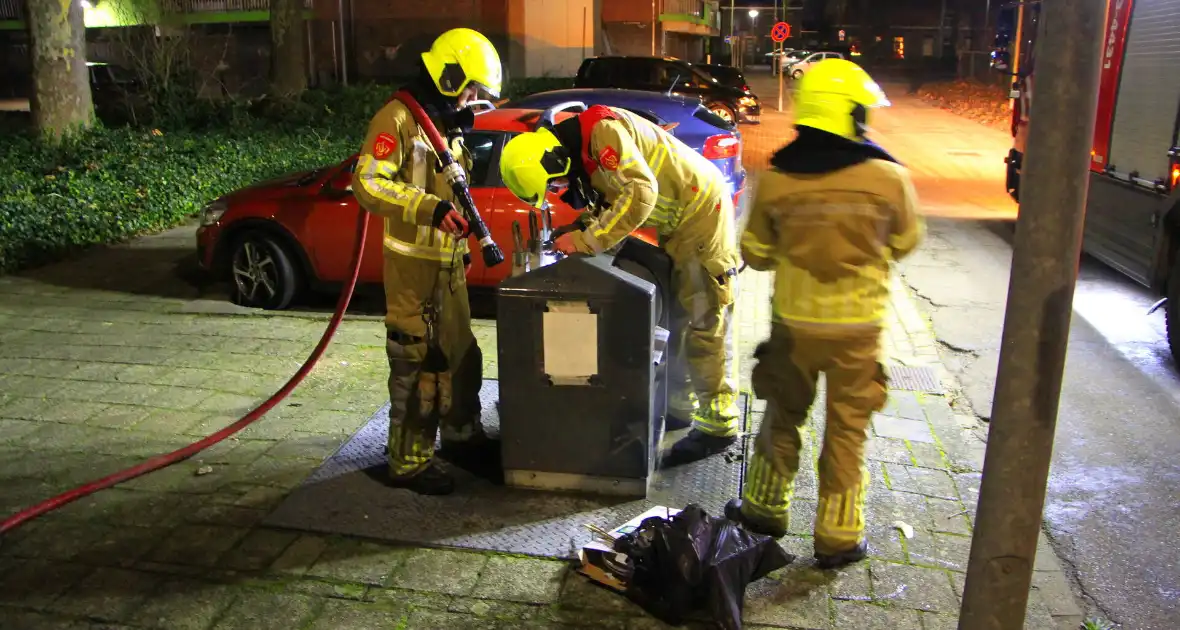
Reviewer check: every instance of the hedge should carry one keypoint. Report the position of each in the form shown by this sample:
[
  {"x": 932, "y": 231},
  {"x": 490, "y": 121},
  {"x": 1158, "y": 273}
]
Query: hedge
[{"x": 109, "y": 185}]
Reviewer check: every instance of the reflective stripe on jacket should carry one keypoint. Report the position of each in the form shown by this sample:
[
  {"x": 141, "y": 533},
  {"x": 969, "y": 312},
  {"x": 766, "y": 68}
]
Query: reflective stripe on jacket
[
  {"x": 830, "y": 239},
  {"x": 397, "y": 178},
  {"x": 648, "y": 177}
]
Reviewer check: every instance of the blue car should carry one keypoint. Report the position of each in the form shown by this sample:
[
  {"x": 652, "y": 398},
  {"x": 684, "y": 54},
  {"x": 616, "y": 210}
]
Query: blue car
[{"x": 687, "y": 119}]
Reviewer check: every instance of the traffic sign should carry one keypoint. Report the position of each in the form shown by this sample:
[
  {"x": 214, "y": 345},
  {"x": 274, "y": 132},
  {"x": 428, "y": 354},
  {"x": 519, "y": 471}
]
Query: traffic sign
[{"x": 780, "y": 32}]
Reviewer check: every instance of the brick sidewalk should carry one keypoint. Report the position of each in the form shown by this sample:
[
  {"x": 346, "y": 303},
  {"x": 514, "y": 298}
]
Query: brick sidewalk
[{"x": 100, "y": 369}]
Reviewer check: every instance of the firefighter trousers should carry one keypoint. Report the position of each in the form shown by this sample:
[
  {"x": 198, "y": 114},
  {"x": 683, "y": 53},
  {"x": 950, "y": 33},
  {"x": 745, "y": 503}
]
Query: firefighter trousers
[
  {"x": 703, "y": 372},
  {"x": 785, "y": 374},
  {"x": 452, "y": 397}
]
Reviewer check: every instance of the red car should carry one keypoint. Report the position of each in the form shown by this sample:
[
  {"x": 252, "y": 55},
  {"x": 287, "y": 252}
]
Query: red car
[{"x": 277, "y": 238}]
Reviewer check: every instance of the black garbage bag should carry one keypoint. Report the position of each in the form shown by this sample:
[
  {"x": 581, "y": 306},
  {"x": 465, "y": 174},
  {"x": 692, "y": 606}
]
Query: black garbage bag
[{"x": 692, "y": 562}]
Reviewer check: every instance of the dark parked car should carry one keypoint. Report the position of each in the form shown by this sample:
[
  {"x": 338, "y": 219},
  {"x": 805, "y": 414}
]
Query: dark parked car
[{"x": 670, "y": 76}]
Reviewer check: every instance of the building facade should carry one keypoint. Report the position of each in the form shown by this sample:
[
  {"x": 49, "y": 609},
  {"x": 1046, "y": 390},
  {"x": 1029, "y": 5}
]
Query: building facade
[{"x": 664, "y": 28}]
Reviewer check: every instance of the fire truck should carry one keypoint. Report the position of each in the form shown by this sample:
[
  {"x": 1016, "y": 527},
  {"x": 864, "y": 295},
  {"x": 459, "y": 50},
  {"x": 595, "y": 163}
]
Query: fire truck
[{"x": 1133, "y": 208}]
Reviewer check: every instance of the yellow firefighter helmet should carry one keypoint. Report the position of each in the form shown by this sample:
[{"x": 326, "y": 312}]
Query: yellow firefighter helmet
[
  {"x": 460, "y": 57},
  {"x": 530, "y": 161},
  {"x": 834, "y": 96}
]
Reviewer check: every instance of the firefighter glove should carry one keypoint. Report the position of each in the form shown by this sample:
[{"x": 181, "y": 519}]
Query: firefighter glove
[{"x": 448, "y": 219}]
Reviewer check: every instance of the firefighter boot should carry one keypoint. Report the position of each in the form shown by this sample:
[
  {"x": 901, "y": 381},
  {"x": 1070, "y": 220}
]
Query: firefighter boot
[
  {"x": 697, "y": 445},
  {"x": 844, "y": 558},
  {"x": 733, "y": 512},
  {"x": 433, "y": 480}
]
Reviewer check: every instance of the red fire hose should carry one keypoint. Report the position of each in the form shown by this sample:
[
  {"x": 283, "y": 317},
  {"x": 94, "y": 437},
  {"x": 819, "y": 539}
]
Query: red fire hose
[
  {"x": 491, "y": 254},
  {"x": 162, "y": 461}
]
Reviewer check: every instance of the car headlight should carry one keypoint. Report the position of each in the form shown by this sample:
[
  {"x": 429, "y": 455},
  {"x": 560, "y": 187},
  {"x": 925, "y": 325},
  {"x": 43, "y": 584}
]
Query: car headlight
[{"x": 211, "y": 213}]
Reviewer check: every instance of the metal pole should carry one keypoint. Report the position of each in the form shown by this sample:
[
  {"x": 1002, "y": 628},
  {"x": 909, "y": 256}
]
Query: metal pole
[
  {"x": 1015, "y": 62},
  {"x": 1036, "y": 324},
  {"x": 343, "y": 52},
  {"x": 780, "y": 78},
  {"x": 654, "y": 17}
]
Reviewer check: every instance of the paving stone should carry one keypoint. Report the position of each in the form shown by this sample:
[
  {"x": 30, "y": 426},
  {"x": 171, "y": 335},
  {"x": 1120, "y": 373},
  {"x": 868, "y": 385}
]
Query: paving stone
[
  {"x": 121, "y": 546},
  {"x": 254, "y": 609},
  {"x": 357, "y": 561},
  {"x": 182, "y": 477},
  {"x": 902, "y": 429},
  {"x": 579, "y": 593},
  {"x": 302, "y": 445},
  {"x": 928, "y": 455},
  {"x": 1054, "y": 591},
  {"x": 273, "y": 471},
  {"x": 107, "y": 594},
  {"x": 495, "y": 610},
  {"x": 38, "y": 583},
  {"x": 527, "y": 580},
  {"x": 802, "y": 517},
  {"x": 434, "y": 619},
  {"x": 934, "y": 483},
  {"x": 885, "y": 449},
  {"x": 217, "y": 511},
  {"x": 55, "y": 539},
  {"x": 199, "y": 545},
  {"x": 170, "y": 422},
  {"x": 967, "y": 485},
  {"x": 339, "y": 614},
  {"x": 913, "y": 587},
  {"x": 885, "y": 543},
  {"x": 26, "y": 620},
  {"x": 948, "y": 517},
  {"x": 851, "y": 583},
  {"x": 300, "y": 555},
  {"x": 440, "y": 571},
  {"x": 797, "y": 598},
  {"x": 943, "y": 551},
  {"x": 336, "y": 590},
  {"x": 258, "y": 550},
  {"x": 184, "y": 604},
  {"x": 234, "y": 451},
  {"x": 867, "y": 616},
  {"x": 260, "y": 497},
  {"x": 905, "y": 405},
  {"x": 935, "y": 621},
  {"x": 404, "y": 599},
  {"x": 71, "y": 411},
  {"x": 131, "y": 507}
]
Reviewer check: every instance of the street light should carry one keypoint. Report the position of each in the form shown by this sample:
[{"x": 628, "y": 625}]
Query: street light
[{"x": 753, "y": 13}]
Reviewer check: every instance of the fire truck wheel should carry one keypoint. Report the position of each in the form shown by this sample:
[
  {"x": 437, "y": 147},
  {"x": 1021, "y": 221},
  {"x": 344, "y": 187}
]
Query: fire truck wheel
[{"x": 1172, "y": 314}]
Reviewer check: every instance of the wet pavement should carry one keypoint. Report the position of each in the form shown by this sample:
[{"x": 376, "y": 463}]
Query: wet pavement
[
  {"x": 1111, "y": 508},
  {"x": 101, "y": 368}
]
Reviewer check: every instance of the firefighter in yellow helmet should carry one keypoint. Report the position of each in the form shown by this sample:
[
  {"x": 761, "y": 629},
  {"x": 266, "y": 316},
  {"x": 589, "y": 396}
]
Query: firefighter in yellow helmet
[
  {"x": 828, "y": 218},
  {"x": 435, "y": 363},
  {"x": 631, "y": 173}
]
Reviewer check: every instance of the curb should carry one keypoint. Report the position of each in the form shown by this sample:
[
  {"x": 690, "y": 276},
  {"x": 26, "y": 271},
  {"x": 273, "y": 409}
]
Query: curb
[{"x": 1050, "y": 587}]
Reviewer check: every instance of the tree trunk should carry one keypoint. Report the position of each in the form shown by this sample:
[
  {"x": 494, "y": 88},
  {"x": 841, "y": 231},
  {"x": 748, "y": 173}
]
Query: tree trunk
[
  {"x": 288, "y": 48},
  {"x": 61, "y": 102}
]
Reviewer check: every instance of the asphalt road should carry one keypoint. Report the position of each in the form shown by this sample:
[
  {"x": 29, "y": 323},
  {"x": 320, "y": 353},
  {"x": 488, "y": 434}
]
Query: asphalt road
[{"x": 1113, "y": 505}]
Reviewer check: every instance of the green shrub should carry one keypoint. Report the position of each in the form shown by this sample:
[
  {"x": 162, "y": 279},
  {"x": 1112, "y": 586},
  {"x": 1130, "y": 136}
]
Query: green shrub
[{"x": 110, "y": 185}]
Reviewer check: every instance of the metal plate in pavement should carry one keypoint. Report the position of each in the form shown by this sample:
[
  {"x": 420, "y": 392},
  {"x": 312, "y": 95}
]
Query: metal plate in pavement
[{"x": 345, "y": 496}]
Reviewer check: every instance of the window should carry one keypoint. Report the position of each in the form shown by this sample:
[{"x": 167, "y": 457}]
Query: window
[
  {"x": 928, "y": 47},
  {"x": 899, "y": 47},
  {"x": 598, "y": 72},
  {"x": 482, "y": 147}
]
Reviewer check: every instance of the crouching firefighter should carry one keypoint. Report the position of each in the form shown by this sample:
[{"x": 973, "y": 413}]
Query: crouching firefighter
[
  {"x": 435, "y": 364},
  {"x": 828, "y": 218},
  {"x": 639, "y": 175}
]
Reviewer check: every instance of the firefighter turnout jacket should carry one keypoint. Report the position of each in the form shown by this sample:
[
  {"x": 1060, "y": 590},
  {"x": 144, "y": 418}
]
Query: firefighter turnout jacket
[
  {"x": 650, "y": 179},
  {"x": 828, "y": 218},
  {"x": 397, "y": 178}
]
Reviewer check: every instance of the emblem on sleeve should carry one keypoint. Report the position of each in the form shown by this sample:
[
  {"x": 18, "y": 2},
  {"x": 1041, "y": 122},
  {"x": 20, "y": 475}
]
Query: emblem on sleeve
[
  {"x": 384, "y": 146},
  {"x": 609, "y": 158}
]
